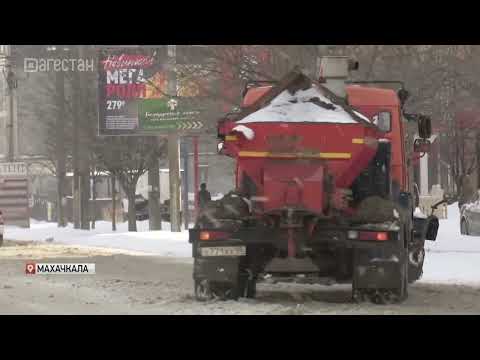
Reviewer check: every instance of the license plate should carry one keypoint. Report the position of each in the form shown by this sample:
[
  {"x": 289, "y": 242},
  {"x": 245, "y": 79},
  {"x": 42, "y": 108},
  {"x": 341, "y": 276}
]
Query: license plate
[{"x": 224, "y": 251}]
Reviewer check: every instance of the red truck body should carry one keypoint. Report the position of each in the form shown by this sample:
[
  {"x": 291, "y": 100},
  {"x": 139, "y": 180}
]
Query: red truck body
[{"x": 289, "y": 163}]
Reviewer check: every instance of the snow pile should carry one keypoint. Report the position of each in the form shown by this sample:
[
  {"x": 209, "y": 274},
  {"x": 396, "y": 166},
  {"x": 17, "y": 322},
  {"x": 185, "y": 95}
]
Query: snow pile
[
  {"x": 303, "y": 106},
  {"x": 247, "y": 132},
  {"x": 474, "y": 206},
  {"x": 163, "y": 243}
]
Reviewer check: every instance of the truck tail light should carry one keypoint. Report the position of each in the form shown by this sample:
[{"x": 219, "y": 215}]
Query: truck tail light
[
  {"x": 213, "y": 235},
  {"x": 373, "y": 235}
]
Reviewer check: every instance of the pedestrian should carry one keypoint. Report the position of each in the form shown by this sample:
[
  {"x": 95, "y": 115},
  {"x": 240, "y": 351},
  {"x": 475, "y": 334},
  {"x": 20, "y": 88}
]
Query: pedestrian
[{"x": 203, "y": 196}]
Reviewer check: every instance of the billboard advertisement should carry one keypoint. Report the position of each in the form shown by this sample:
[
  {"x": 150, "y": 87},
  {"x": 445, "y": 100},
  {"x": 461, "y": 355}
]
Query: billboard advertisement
[{"x": 133, "y": 95}]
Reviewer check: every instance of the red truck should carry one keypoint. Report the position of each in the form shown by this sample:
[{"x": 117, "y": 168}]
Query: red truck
[{"x": 323, "y": 191}]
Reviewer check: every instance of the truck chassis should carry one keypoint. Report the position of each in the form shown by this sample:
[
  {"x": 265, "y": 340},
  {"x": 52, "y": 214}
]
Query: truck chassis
[{"x": 229, "y": 262}]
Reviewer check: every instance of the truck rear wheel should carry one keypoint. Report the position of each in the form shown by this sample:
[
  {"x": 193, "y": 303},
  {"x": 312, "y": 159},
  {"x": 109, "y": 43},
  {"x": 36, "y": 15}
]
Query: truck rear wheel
[{"x": 415, "y": 264}]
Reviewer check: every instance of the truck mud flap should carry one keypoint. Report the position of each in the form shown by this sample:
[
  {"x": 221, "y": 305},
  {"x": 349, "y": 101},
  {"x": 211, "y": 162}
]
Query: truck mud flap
[
  {"x": 220, "y": 269},
  {"x": 378, "y": 271}
]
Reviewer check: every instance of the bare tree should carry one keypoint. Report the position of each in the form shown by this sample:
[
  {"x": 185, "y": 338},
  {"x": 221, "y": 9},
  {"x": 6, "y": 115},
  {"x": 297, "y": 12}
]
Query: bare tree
[{"x": 128, "y": 158}]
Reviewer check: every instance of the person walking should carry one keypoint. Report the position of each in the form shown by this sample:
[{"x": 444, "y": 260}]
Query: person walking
[{"x": 203, "y": 196}]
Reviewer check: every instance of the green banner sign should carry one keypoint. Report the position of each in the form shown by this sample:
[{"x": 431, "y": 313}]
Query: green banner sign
[{"x": 167, "y": 114}]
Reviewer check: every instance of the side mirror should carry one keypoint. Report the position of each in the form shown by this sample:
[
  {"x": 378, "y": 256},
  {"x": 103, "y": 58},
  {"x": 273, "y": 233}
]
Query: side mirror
[
  {"x": 383, "y": 120},
  {"x": 422, "y": 146},
  {"x": 403, "y": 96},
  {"x": 424, "y": 127}
]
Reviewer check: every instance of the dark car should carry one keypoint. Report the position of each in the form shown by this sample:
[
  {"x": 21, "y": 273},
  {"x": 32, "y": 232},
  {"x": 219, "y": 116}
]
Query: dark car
[
  {"x": 141, "y": 207},
  {"x": 470, "y": 216}
]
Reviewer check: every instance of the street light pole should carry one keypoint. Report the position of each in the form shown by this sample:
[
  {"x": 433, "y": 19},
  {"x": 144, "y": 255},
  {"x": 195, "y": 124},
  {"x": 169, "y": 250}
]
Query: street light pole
[
  {"x": 83, "y": 148},
  {"x": 185, "y": 181},
  {"x": 173, "y": 149},
  {"x": 60, "y": 137}
]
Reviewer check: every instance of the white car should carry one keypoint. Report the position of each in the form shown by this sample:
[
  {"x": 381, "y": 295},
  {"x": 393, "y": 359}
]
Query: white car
[{"x": 1, "y": 228}]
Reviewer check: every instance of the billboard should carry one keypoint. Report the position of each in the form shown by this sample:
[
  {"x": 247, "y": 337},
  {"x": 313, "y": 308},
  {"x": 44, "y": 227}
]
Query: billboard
[{"x": 133, "y": 95}]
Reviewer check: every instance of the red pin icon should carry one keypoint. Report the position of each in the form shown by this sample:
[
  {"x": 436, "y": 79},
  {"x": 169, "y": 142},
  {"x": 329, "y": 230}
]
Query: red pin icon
[{"x": 30, "y": 268}]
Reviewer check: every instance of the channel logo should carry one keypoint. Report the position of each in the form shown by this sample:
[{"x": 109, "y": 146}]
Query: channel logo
[
  {"x": 30, "y": 65},
  {"x": 32, "y": 268}
]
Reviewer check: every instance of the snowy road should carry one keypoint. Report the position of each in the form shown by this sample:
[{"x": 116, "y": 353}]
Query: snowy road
[
  {"x": 151, "y": 273},
  {"x": 132, "y": 284}
]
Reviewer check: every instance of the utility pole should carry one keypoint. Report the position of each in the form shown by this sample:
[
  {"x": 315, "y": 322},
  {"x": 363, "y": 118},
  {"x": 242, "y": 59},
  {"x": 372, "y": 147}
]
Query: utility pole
[
  {"x": 174, "y": 177},
  {"x": 154, "y": 216},
  {"x": 173, "y": 149},
  {"x": 60, "y": 142},
  {"x": 196, "y": 170},
  {"x": 84, "y": 168},
  {"x": 12, "y": 87},
  {"x": 114, "y": 203},
  {"x": 75, "y": 148},
  {"x": 185, "y": 178}
]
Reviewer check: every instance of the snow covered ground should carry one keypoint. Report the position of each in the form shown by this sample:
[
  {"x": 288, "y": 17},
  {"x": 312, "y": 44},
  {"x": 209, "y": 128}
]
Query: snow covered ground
[
  {"x": 163, "y": 243},
  {"x": 452, "y": 258}
]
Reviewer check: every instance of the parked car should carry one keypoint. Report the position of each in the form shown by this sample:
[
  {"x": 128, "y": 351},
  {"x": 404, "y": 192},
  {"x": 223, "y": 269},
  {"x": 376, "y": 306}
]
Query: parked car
[
  {"x": 1, "y": 228},
  {"x": 141, "y": 208},
  {"x": 470, "y": 216}
]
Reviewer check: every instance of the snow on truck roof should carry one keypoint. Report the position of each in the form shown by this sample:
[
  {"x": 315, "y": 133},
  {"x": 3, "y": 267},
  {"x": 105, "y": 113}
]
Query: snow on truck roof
[{"x": 302, "y": 106}]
